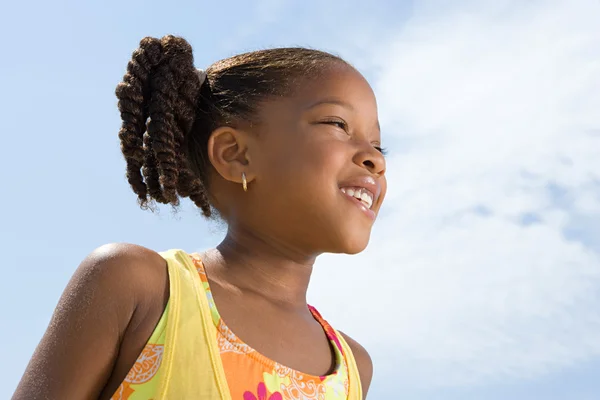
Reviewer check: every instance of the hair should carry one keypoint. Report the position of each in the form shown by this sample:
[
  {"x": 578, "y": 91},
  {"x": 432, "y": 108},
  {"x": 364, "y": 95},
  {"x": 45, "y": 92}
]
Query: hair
[{"x": 168, "y": 115}]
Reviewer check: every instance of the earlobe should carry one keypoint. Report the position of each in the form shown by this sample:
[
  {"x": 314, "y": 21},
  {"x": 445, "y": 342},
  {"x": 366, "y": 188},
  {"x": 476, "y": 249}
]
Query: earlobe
[{"x": 228, "y": 153}]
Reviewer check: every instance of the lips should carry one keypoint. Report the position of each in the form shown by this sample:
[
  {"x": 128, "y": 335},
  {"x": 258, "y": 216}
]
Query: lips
[
  {"x": 364, "y": 188},
  {"x": 361, "y": 194},
  {"x": 363, "y": 191}
]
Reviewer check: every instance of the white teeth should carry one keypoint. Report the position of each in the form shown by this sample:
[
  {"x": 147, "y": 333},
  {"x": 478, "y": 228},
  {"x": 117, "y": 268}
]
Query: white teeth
[
  {"x": 365, "y": 197},
  {"x": 361, "y": 194}
]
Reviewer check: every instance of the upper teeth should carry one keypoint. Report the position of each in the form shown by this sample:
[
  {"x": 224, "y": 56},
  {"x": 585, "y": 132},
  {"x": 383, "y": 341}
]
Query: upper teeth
[{"x": 361, "y": 194}]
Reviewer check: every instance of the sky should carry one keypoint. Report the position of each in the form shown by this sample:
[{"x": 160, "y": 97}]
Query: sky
[{"x": 482, "y": 278}]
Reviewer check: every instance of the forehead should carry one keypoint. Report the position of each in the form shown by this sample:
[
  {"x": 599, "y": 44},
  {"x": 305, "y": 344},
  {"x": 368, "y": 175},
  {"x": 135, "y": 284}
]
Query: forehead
[
  {"x": 339, "y": 90},
  {"x": 337, "y": 84}
]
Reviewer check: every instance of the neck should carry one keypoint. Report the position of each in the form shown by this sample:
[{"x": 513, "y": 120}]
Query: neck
[{"x": 263, "y": 266}]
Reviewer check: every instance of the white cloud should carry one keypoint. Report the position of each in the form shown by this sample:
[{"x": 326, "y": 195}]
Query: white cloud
[{"x": 494, "y": 111}]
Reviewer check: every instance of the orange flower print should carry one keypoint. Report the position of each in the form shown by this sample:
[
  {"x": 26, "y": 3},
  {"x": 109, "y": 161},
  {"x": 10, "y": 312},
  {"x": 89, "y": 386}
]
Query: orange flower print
[
  {"x": 143, "y": 370},
  {"x": 262, "y": 394}
]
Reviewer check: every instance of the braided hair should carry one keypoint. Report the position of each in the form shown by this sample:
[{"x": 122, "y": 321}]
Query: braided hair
[{"x": 168, "y": 115}]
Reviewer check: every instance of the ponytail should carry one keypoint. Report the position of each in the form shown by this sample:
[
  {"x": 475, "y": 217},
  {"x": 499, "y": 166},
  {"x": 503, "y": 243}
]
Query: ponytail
[{"x": 157, "y": 100}]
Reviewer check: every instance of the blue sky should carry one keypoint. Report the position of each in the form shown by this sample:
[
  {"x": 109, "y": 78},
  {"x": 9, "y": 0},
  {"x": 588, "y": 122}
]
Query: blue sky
[{"x": 482, "y": 280}]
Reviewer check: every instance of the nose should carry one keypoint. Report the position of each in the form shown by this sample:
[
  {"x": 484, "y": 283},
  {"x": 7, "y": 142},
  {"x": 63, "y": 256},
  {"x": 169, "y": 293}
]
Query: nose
[{"x": 370, "y": 158}]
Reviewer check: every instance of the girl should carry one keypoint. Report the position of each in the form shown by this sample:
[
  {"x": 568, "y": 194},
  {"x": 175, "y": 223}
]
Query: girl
[{"x": 283, "y": 145}]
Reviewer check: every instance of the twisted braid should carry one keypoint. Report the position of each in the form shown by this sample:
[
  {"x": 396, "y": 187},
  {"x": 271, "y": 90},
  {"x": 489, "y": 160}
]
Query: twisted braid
[
  {"x": 157, "y": 101},
  {"x": 131, "y": 94}
]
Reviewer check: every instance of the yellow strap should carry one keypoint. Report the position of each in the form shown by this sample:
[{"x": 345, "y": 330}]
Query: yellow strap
[
  {"x": 355, "y": 386},
  {"x": 191, "y": 361}
]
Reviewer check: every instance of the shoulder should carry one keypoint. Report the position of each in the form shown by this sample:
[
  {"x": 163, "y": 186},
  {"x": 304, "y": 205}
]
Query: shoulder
[
  {"x": 117, "y": 255},
  {"x": 128, "y": 280},
  {"x": 363, "y": 361},
  {"x": 122, "y": 260},
  {"x": 114, "y": 300},
  {"x": 125, "y": 268}
]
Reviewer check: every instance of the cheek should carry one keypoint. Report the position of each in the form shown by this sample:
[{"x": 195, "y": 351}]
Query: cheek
[
  {"x": 307, "y": 156},
  {"x": 303, "y": 178},
  {"x": 315, "y": 164}
]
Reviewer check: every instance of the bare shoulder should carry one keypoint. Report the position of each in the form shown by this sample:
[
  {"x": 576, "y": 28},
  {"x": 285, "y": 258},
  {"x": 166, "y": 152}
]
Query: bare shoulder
[
  {"x": 363, "y": 361},
  {"x": 127, "y": 255},
  {"x": 100, "y": 324},
  {"x": 124, "y": 259},
  {"x": 126, "y": 270}
]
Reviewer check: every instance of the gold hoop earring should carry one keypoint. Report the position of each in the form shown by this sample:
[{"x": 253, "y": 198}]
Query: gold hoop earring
[{"x": 244, "y": 182}]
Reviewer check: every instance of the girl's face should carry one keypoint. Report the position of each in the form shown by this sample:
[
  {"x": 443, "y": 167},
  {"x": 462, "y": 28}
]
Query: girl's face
[{"x": 312, "y": 156}]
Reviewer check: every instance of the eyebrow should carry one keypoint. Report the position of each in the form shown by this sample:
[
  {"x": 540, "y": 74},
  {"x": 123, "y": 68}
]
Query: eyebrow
[{"x": 334, "y": 101}]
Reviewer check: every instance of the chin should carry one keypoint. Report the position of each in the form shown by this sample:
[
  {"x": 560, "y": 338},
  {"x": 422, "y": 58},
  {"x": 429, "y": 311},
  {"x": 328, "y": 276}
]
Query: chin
[
  {"x": 351, "y": 244},
  {"x": 358, "y": 248}
]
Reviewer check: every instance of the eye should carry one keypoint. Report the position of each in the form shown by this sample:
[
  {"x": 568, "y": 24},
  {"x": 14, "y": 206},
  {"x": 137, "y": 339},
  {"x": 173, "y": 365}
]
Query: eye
[
  {"x": 338, "y": 123},
  {"x": 381, "y": 150}
]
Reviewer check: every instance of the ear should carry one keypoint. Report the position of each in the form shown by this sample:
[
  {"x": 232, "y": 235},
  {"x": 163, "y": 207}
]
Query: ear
[{"x": 228, "y": 153}]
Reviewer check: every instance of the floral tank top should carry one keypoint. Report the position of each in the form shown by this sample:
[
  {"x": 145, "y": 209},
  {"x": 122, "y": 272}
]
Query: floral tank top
[{"x": 250, "y": 375}]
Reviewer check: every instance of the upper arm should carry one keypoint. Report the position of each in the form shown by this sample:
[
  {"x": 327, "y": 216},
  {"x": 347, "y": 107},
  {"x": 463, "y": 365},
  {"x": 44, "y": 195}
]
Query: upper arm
[
  {"x": 363, "y": 361},
  {"x": 78, "y": 350}
]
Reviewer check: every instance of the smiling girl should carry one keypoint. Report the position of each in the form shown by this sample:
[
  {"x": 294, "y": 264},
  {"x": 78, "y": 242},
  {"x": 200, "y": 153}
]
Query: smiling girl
[{"x": 284, "y": 146}]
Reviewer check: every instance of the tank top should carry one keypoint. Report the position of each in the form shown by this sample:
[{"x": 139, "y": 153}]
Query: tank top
[{"x": 226, "y": 367}]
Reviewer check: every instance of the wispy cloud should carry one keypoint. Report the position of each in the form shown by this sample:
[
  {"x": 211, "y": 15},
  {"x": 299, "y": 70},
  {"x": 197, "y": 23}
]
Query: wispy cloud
[{"x": 486, "y": 263}]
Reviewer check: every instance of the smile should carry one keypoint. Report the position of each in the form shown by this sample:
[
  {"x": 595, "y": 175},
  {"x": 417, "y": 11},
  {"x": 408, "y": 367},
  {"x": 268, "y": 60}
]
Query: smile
[
  {"x": 361, "y": 194},
  {"x": 364, "y": 192},
  {"x": 362, "y": 199}
]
